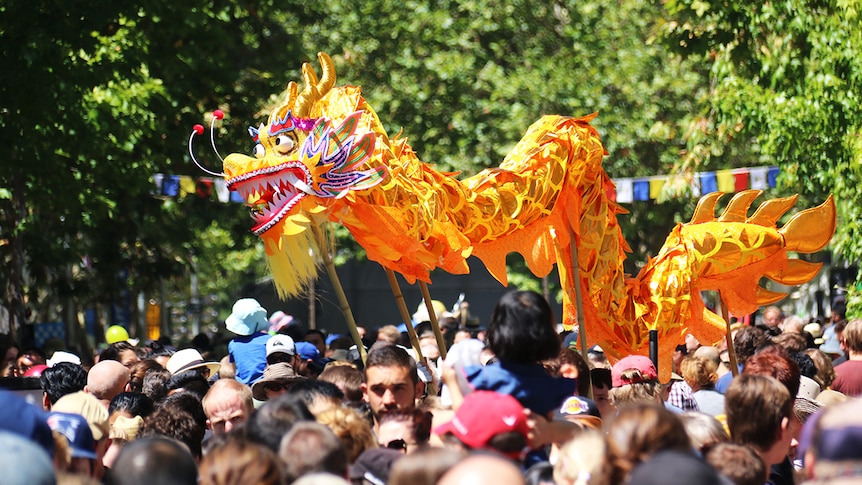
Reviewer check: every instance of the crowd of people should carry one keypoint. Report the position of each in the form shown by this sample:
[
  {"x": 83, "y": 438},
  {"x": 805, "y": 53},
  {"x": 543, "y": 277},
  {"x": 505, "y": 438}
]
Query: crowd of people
[{"x": 512, "y": 403}]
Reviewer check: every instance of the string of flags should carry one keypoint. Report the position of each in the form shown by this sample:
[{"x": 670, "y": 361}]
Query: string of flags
[{"x": 628, "y": 190}]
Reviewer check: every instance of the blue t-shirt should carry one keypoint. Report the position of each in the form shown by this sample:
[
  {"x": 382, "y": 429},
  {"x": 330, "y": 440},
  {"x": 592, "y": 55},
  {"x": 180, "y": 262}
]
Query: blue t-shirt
[
  {"x": 528, "y": 383},
  {"x": 248, "y": 353}
]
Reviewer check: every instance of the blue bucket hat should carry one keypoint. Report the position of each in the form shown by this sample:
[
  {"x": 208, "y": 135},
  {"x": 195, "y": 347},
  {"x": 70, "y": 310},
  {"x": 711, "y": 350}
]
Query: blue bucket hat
[{"x": 248, "y": 317}]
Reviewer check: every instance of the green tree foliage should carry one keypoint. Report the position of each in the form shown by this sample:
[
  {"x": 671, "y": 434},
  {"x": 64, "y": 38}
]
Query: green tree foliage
[{"x": 785, "y": 84}]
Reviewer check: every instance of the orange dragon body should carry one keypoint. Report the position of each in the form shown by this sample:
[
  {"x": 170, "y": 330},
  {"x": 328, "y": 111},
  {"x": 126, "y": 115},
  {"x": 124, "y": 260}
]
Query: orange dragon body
[{"x": 323, "y": 156}]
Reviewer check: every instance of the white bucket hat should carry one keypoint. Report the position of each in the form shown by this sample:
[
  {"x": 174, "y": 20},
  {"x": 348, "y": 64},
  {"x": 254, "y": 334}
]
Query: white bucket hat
[
  {"x": 189, "y": 359},
  {"x": 248, "y": 317}
]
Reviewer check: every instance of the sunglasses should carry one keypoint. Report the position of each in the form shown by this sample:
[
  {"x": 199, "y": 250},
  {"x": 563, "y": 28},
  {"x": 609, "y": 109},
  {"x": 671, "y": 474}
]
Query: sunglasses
[
  {"x": 398, "y": 444},
  {"x": 276, "y": 386}
]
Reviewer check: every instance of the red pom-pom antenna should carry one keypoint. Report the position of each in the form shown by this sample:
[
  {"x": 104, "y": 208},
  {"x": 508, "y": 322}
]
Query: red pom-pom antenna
[{"x": 199, "y": 130}]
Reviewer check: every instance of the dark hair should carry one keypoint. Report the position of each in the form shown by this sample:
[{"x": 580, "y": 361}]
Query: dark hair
[
  {"x": 420, "y": 422},
  {"x": 601, "y": 378},
  {"x": 389, "y": 355},
  {"x": 275, "y": 418},
  {"x": 192, "y": 381},
  {"x": 349, "y": 378},
  {"x": 311, "y": 389},
  {"x": 135, "y": 403},
  {"x": 155, "y": 386},
  {"x": 159, "y": 349},
  {"x": 571, "y": 357},
  {"x": 156, "y": 459},
  {"x": 740, "y": 463},
  {"x": 177, "y": 423},
  {"x": 522, "y": 329},
  {"x": 746, "y": 341},
  {"x": 112, "y": 351},
  {"x": 312, "y": 447},
  {"x": 806, "y": 364},
  {"x": 541, "y": 472},
  {"x": 61, "y": 379},
  {"x": 139, "y": 370},
  {"x": 189, "y": 403}
]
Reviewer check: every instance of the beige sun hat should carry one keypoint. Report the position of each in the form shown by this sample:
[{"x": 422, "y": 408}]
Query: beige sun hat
[{"x": 281, "y": 372}]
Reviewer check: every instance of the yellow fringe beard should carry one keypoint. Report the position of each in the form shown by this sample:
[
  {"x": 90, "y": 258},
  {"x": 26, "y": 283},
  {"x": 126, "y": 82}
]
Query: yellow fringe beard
[{"x": 292, "y": 261}]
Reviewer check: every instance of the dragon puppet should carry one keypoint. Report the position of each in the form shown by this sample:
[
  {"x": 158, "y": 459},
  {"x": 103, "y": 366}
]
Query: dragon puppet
[{"x": 323, "y": 156}]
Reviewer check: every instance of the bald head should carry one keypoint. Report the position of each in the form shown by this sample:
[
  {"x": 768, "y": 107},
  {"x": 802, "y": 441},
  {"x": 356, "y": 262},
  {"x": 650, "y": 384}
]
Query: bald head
[
  {"x": 227, "y": 404},
  {"x": 151, "y": 460},
  {"x": 482, "y": 469},
  {"x": 710, "y": 353},
  {"x": 107, "y": 379}
]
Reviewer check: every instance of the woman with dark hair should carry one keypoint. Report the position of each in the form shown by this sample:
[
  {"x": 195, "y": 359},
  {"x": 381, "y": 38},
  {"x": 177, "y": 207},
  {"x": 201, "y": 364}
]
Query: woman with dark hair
[{"x": 522, "y": 334}]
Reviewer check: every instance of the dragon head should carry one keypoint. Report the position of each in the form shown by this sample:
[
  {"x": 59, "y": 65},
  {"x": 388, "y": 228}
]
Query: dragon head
[{"x": 309, "y": 155}]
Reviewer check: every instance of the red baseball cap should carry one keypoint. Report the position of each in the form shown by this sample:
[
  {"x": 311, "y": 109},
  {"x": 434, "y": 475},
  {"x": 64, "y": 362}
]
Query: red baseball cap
[
  {"x": 640, "y": 363},
  {"x": 483, "y": 415}
]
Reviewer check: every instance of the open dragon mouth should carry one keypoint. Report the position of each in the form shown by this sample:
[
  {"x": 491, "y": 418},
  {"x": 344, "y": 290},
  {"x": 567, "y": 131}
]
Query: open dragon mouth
[{"x": 270, "y": 192}]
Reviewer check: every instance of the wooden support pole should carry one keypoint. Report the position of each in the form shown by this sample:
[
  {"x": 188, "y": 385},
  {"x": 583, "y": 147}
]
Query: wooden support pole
[
  {"x": 339, "y": 291},
  {"x": 432, "y": 315},
  {"x": 408, "y": 322},
  {"x": 725, "y": 314}
]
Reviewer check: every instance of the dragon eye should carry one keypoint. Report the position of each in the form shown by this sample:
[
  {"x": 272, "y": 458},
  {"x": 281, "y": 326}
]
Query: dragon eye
[
  {"x": 284, "y": 144},
  {"x": 259, "y": 151}
]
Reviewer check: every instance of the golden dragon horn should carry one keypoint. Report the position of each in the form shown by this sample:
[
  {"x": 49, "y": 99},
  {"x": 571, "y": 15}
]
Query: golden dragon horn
[
  {"x": 737, "y": 208},
  {"x": 314, "y": 89}
]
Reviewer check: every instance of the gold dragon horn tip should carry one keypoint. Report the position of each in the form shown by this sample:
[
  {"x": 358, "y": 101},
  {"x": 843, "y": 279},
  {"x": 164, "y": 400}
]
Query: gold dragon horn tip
[
  {"x": 737, "y": 208},
  {"x": 705, "y": 210},
  {"x": 810, "y": 230},
  {"x": 327, "y": 76},
  {"x": 770, "y": 211}
]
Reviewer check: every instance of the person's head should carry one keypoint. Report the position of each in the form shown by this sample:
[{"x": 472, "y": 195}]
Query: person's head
[
  {"x": 347, "y": 378},
  {"x": 240, "y": 461},
  {"x": 318, "y": 339},
  {"x": 833, "y": 449},
  {"x": 582, "y": 460},
  {"x": 571, "y": 365},
  {"x": 853, "y": 336},
  {"x": 312, "y": 447},
  {"x": 96, "y": 414},
  {"x": 275, "y": 418},
  {"x": 483, "y": 469},
  {"x": 281, "y": 348},
  {"x": 318, "y": 396},
  {"x": 176, "y": 423},
  {"x": 351, "y": 427},
  {"x": 772, "y": 316},
  {"x": 774, "y": 361},
  {"x": 825, "y": 369},
  {"x": 61, "y": 379},
  {"x": 639, "y": 431},
  {"x": 635, "y": 380},
  {"x": 190, "y": 381},
  {"x": 155, "y": 385},
  {"x": 767, "y": 399},
  {"x": 139, "y": 370},
  {"x": 522, "y": 329},
  {"x": 698, "y": 372},
  {"x": 424, "y": 467},
  {"x": 407, "y": 430},
  {"x": 107, "y": 379},
  {"x": 276, "y": 380},
  {"x": 703, "y": 430},
  {"x": 23, "y": 461},
  {"x": 123, "y": 352},
  {"x": 79, "y": 442},
  {"x": 739, "y": 463},
  {"x": 673, "y": 466},
  {"x": 131, "y": 404},
  {"x": 389, "y": 334},
  {"x": 746, "y": 342},
  {"x": 792, "y": 342},
  {"x": 391, "y": 380},
  {"x": 155, "y": 459},
  {"x": 602, "y": 382},
  {"x": 487, "y": 420},
  {"x": 29, "y": 358},
  {"x": 227, "y": 404}
]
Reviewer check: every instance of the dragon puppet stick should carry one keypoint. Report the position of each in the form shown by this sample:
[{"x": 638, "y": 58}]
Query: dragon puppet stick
[
  {"x": 408, "y": 322},
  {"x": 432, "y": 316},
  {"x": 324, "y": 154}
]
